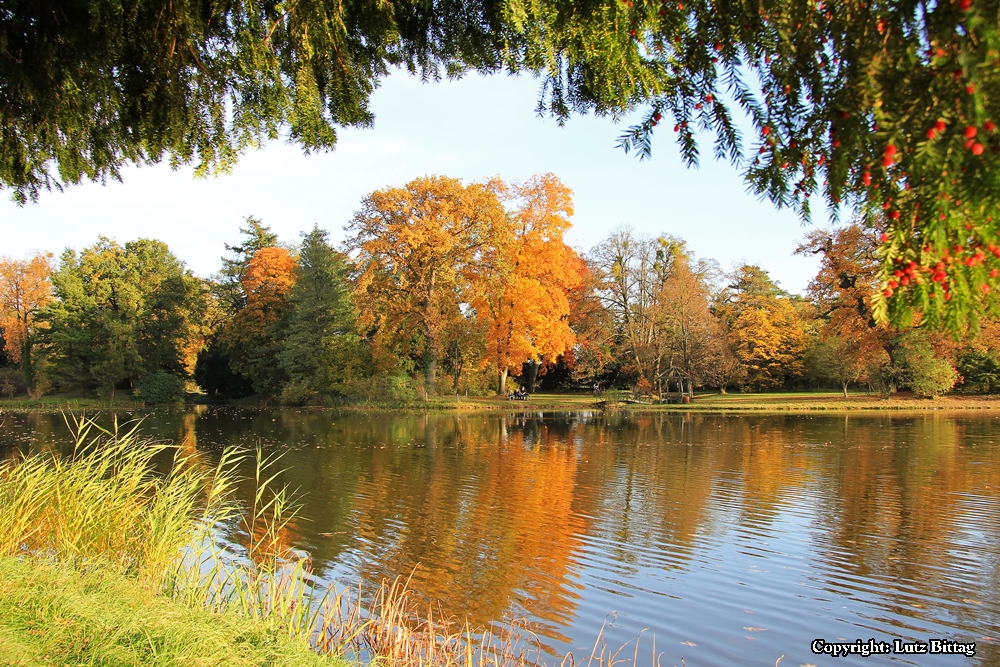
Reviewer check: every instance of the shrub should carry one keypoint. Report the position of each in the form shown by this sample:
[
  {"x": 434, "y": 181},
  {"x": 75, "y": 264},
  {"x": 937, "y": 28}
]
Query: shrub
[{"x": 159, "y": 388}]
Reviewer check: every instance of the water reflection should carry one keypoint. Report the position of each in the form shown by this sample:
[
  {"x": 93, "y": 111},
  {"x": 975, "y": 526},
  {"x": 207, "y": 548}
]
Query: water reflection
[{"x": 737, "y": 539}]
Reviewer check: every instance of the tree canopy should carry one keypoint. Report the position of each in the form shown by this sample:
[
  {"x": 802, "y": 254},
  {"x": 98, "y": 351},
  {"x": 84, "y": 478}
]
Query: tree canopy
[{"x": 887, "y": 107}]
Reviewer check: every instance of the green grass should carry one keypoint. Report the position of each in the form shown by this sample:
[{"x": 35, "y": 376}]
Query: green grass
[
  {"x": 67, "y": 403},
  {"x": 58, "y": 615}
]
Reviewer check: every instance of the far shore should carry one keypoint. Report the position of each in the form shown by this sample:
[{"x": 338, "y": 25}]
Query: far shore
[{"x": 807, "y": 402}]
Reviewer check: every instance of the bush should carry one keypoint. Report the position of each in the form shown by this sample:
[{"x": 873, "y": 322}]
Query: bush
[
  {"x": 391, "y": 388},
  {"x": 921, "y": 368},
  {"x": 980, "y": 370},
  {"x": 159, "y": 388},
  {"x": 11, "y": 382}
]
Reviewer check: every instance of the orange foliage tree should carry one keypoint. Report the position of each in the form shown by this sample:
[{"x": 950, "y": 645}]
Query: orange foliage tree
[
  {"x": 25, "y": 289},
  {"x": 418, "y": 250},
  {"x": 524, "y": 300},
  {"x": 253, "y": 334}
]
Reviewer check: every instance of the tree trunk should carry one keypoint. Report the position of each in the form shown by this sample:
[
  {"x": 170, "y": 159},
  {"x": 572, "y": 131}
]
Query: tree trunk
[
  {"x": 26, "y": 369},
  {"x": 844, "y": 385},
  {"x": 532, "y": 376},
  {"x": 430, "y": 372},
  {"x": 502, "y": 382}
]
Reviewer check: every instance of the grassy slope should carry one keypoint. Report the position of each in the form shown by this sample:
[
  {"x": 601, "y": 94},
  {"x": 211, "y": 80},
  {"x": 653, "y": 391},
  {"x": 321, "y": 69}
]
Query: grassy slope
[{"x": 53, "y": 615}]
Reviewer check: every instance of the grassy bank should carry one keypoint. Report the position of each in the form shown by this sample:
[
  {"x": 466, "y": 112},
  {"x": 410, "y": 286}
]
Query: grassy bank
[
  {"x": 567, "y": 402},
  {"x": 732, "y": 402},
  {"x": 57, "y": 615}
]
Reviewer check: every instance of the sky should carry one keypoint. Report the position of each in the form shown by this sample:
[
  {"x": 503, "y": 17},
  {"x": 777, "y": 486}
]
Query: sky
[{"x": 473, "y": 129}]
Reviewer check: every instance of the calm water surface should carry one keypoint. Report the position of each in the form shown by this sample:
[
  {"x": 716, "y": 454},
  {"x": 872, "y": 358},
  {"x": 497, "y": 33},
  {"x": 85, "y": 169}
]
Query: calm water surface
[{"x": 736, "y": 539}]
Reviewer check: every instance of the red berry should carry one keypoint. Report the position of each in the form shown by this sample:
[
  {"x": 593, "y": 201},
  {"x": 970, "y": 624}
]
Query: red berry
[
  {"x": 884, "y": 237},
  {"x": 867, "y": 178},
  {"x": 985, "y": 288},
  {"x": 994, "y": 273},
  {"x": 765, "y": 130},
  {"x": 894, "y": 215},
  {"x": 931, "y": 133},
  {"x": 977, "y": 149},
  {"x": 893, "y": 284},
  {"x": 718, "y": 46},
  {"x": 971, "y": 88},
  {"x": 677, "y": 128},
  {"x": 887, "y": 161},
  {"x": 709, "y": 98},
  {"x": 697, "y": 106},
  {"x": 964, "y": 5},
  {"x": 989, "y": 126},
  {"x": 970, "y": 132},
  {"x": 888, "y": 291},
  {"x": 890, "y": 150},
  {"x": 939, "y": 126},
  {"x": 836, "y": 143}
]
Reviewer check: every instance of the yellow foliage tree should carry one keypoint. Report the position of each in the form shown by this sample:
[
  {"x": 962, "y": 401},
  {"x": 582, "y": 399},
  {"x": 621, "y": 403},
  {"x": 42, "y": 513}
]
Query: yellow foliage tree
[
  {"x": 418, "y": 250},
  {"x": 765, "y": 329},
  {"x": 525, "y": 299}
]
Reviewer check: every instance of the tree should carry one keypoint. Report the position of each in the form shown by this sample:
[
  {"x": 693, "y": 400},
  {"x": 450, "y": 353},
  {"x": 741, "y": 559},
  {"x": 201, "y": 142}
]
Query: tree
[
  {"x": 843, "y": 291},
  {"x": 320, "y": 351},
  {"x": 765, "y": 328},
  {"x": 25, "y": 290},
  {"x": 229, "y": 283},
  {"x": 121, "y": 312},
  {"x": 633, "y": 272},
  {"x": 869, "y": 105},
  {"x": 686, "y": 318},
  {"x": 921, "y": 367},
  {"x": 416, "y": 250},
  {"x": 523, "y": 293},
  {"x": 253, "y": 337}
]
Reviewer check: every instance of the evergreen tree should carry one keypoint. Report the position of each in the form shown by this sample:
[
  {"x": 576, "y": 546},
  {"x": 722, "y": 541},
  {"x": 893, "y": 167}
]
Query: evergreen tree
[{"x": 321, "y": 351}]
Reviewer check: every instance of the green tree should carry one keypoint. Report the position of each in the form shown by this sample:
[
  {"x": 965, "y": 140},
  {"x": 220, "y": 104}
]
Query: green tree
[
  {"x": 121, "y": 312},
  {"x": 321, "y": 353},
  {"x": 920, "y": 367}
]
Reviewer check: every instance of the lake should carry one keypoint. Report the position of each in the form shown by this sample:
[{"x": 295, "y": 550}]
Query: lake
[{"x": 735, "y": 539}]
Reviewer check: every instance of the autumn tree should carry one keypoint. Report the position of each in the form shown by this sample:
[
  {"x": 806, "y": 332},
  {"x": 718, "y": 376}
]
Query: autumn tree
[
  {"x": 416, "y": 249},
  {"x": 254, "y": 335},
  {"x": 633, "y": 271},
  {"x": 25, "y": 290},
  {"x": 522, "y": 290},
  {"x": 765, "y": 328},
  {"x": 843, "y": 291},
  {"x": 121, "y": 312},
  {"x": 228, "y": 285},
  {"x": 320, "y": 350},
  {"x": 685, "y": 316}
]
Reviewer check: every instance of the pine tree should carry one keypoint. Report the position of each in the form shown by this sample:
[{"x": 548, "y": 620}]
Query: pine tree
[{"x": 321, "y": 351}]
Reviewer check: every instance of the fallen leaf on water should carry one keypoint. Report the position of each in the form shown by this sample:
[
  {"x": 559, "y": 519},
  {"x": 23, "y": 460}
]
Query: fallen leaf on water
[
  {"x": 689, "y": 643},
  {"x": 968, "y": 601},
  {"x": 755, "y": 629},
  {"x": 748, "y": 611},
  {"x": 917, "y": 605}
]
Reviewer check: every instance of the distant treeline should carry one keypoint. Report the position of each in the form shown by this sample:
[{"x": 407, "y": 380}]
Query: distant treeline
[{"x": 444, "y": 288}]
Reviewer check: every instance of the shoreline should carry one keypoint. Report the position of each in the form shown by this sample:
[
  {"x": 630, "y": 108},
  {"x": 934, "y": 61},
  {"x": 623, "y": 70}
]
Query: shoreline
[{"x": 733, "y": 403}]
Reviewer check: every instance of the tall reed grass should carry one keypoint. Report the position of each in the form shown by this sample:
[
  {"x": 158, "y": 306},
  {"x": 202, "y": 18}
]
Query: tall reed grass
[{"x": 105, "y": 505}]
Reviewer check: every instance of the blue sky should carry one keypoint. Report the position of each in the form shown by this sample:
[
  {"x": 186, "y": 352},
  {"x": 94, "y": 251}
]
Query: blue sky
[{"x": 471, "y": 129}]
